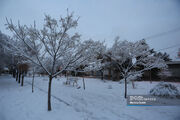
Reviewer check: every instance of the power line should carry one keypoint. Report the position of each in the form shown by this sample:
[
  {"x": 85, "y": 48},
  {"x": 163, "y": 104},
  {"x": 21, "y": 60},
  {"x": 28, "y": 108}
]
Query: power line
[
  {"x": 163, "y": 33},
  {"x": 173, "y": 51},
  {"x": 169, "y": 47}
]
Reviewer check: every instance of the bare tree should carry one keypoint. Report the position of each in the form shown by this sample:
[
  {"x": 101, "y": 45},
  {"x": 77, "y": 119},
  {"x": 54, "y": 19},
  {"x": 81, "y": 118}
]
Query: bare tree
[
  {"x": 52, "y": 47},
  {"x": 132, "y": 59}
]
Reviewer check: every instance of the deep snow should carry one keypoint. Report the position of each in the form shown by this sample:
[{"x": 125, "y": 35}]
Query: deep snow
[{"x": 100, "y": 101}]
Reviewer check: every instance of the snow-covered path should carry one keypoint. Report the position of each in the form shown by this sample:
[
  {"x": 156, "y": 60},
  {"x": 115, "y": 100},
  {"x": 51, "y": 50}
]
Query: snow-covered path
[{"x": 97, "y": 102}]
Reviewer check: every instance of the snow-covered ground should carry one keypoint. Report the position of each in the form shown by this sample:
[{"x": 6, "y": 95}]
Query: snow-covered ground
[{"x": 100, "y": 101}]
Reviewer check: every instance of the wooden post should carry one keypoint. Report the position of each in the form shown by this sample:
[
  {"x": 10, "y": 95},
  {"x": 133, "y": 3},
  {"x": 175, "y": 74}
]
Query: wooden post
[
  {"x": 133, "y": 85},
  {"x": 33, "y": 82},
  {"x": 84, "y": 83}
]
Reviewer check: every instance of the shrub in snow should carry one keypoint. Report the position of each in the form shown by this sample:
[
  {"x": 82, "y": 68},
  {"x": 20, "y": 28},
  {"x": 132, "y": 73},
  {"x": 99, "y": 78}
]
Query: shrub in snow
[
  {"x": 109, "y": 86},
  {"x": 131, "y": 77},
  {"x": 122, "y": 81},
  {"x": 165, "y": 90},
  {"x": 45, "y": 79},
  {"x": 134, "y": 76}
]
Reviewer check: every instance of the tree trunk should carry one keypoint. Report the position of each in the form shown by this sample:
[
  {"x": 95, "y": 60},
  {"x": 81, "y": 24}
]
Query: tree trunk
[
  {"x": 102, "y": 75},
  {"x": 109, "y": 74},
  {"x": 22, "y": 79},
  {"x": 33, "y": 82},
  {"x": 14, "y": 73},
  {"x": 125, "y": 93},
  {"x": 49, "y": 93},
  {"x": 19, "y": 77}
]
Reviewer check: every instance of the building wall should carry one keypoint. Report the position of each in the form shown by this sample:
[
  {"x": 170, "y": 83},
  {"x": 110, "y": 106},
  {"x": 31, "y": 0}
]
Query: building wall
[{"x": 175, "y": 70}]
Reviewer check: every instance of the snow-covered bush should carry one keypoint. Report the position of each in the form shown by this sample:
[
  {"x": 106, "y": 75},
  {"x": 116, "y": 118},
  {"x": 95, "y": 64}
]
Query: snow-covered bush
[{"x": 165, "y": 90}]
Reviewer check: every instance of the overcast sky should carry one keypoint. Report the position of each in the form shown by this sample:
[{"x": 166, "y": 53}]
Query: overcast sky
[{"x": 105, "y": 19}]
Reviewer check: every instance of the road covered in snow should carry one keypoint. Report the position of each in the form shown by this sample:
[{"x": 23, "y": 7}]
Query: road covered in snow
[{"x": 99, "y": 101}]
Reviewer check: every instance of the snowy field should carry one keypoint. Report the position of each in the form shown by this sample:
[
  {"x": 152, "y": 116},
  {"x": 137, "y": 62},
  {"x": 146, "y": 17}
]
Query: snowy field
[{"x": 100, "y": 101}]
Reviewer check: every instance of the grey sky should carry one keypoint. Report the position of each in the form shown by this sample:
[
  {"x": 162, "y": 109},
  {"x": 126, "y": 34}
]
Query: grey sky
[{"x": 104, "y": 19}]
